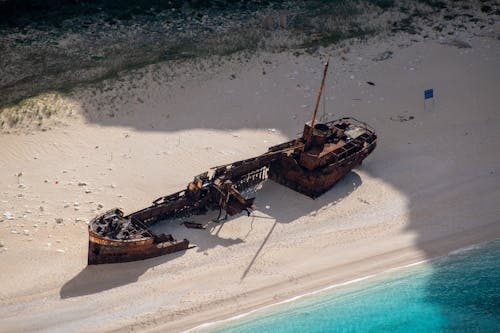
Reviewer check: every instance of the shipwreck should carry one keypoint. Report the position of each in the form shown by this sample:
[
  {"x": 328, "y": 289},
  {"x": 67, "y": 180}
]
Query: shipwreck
[{"x": 310, "y": 164}]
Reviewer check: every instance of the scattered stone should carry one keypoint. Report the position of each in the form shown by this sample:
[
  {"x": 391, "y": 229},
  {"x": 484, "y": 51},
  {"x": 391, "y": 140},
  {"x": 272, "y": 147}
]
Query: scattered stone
[
  {"x": 99, "y": 206},
  {"x": 59, "y": 220},
  {"x": 8, "y": 216},
  {"x": 1, "y": 244},
  {"x": 363, "y": 201},
  {"x": 268, "y": 207},
  {"x": 114, "y": 186},
  {"x": 383, "y": 56},
  {"x": 21, "y": 186},
  {"x": 20, "y": 195},
  {"x": 26, "y": 232},
  {"x": 82, "y": 184},
  {"x": 88, "y": 191},
  {"x": 457, "y": 43},
  {"x": 14, "y": 232},
  {"x": 60, "y": 251},
  {"x": 35, "y": 225},
  {"x": 402, "y": 118},
  {"x": 370, "y": 83}
]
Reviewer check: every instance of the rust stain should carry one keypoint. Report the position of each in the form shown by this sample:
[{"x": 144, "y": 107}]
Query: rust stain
[{"x": 310, "y": 164}]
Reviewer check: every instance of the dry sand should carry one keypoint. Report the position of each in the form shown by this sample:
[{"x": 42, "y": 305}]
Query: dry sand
[{"x": 431, "y": 186}]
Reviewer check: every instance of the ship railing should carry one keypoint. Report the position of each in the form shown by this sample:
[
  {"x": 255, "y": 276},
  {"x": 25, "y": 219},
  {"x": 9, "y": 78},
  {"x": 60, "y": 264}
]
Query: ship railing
[{"x": 352, "y": 120}]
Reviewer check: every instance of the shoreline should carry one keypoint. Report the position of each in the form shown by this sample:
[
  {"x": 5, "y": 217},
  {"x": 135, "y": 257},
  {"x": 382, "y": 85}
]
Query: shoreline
[
  {"x": 383, "y": 276},
  {"x": 485, "y": 237},
  {"x": 207, "y": 325},
  {"x": 430, "y": 187}
]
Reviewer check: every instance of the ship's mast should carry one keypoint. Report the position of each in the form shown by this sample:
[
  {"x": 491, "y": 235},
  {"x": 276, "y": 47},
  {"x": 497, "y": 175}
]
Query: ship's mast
[{"x": 319, "y": 95}]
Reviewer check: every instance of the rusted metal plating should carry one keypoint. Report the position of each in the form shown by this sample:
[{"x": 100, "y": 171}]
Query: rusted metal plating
[{"x": 311, "y": 165}]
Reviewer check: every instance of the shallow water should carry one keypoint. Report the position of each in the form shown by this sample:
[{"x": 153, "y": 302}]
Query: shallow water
[{"x": 456, "y": 293}]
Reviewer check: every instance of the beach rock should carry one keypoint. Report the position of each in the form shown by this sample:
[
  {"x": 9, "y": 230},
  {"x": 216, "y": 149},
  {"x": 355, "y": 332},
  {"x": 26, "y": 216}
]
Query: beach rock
[
  {"x": 402, "y": 118},
  {"x": 383, "y": 56},
  {"x": 8, "y": 216},
  {"x": 457, "y": 43}
]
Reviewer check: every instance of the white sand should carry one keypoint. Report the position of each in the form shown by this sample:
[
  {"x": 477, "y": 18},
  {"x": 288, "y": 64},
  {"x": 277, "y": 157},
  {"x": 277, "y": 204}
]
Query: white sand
[{"x": 431, "y": 186}]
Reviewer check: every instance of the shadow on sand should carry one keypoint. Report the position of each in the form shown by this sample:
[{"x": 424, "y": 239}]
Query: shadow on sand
[
  {"x": 96, "y": 278},
  {"x": 406, "y": 160},
  {"x": 285, "y": 208}
]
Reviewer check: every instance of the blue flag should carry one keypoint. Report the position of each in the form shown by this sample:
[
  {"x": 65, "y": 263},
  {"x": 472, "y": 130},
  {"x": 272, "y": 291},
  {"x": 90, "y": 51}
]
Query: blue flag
[{"x": 429, "y": 93}]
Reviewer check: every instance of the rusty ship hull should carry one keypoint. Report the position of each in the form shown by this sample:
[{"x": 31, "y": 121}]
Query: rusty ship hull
[
  {"x": 310, "y": 164},
  {"x": 322, "y": 173},
  {"x": 123, "y": 248}
]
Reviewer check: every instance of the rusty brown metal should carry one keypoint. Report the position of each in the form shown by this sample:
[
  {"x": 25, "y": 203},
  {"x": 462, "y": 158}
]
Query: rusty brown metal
[{"x": 310, "y": 164}]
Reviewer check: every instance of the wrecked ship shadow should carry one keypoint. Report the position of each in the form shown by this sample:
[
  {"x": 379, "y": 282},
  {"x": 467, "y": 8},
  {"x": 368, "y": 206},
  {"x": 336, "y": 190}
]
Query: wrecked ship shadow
[
  {"x": 284, "y": 205},
  {"x": 272, "y": 199},
  {"x": 96, "y": 278}
]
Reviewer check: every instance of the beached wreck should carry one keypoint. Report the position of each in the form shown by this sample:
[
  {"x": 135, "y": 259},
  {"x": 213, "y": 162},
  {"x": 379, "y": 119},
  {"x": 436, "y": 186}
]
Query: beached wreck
[{"x": 310, "y": 164}]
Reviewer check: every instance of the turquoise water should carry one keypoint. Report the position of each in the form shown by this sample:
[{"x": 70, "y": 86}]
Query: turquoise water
[{"x": 457, "y": 293}]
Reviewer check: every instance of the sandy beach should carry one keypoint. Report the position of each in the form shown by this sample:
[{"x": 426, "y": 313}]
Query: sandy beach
[{"x": 431, "y": 186}]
